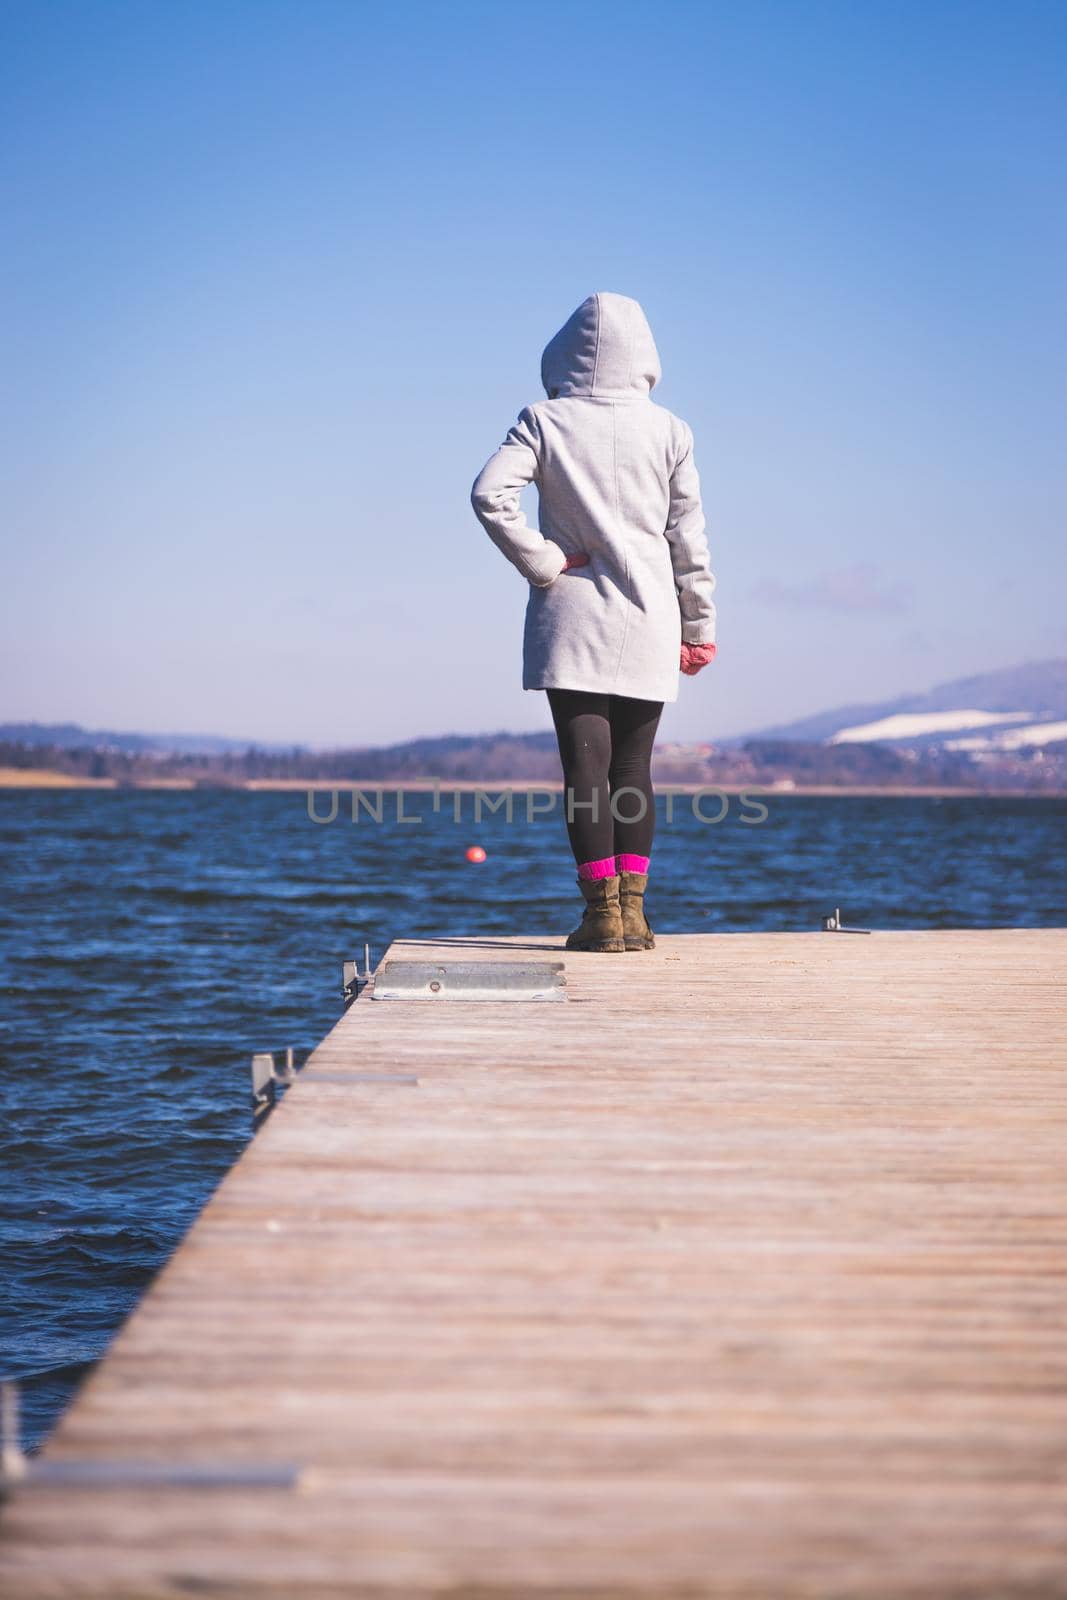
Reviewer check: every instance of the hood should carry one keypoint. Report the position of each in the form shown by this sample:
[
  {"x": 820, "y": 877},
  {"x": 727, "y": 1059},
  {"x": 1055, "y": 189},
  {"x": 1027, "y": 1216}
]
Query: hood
[{"x": 605, "y": 347}]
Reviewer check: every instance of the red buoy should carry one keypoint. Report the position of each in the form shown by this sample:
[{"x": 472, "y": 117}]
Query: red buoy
[{"x": 475, "y": 853}]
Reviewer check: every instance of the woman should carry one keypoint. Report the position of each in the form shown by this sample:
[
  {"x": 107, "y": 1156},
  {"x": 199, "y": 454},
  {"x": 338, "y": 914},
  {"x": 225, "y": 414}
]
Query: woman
[{"x": 620, "y": 589}]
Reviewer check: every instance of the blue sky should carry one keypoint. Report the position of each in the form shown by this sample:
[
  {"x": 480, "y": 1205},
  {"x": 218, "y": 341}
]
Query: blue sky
[{"x": 276, "y": 280}]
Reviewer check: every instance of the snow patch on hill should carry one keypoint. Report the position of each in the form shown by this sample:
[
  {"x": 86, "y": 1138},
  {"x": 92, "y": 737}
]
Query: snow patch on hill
[
  {"x": 1013, "y": 738},
  {"x": 918, "y": 724}
]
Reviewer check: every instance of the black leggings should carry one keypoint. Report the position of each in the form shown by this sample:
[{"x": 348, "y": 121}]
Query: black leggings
[{"x": 605, "y": 744}]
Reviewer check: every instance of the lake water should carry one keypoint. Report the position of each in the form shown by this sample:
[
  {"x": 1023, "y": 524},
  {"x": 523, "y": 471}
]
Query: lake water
[{"x": 151, "y": 941}]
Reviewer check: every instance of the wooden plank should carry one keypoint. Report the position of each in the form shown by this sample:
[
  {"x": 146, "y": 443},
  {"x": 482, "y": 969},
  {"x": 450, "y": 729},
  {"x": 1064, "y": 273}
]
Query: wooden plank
[{"x": 740, "y": 1274}]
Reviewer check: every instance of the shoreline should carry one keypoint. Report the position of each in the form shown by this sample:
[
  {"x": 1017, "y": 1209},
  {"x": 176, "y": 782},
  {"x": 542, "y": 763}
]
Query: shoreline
[{"x": 38, "y": 778}]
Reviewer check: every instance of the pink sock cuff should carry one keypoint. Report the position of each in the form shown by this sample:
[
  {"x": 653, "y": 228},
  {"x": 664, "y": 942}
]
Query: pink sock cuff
[
  {"x": 630, "y": 863},
  {"x": 605, "y": 868}
]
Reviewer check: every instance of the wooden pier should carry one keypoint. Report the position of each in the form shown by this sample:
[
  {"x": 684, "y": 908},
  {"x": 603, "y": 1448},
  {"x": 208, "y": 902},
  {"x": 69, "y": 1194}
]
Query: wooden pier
[{"x": 742, "y": 1273}]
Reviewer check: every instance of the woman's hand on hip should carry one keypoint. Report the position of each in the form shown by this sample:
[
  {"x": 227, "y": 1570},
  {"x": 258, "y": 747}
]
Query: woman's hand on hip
[
  {"x": 695, "y": 657},
  {"x": 578, "y": 560}
]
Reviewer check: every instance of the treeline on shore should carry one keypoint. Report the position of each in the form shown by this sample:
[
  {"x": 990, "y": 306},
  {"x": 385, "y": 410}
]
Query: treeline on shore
[{"x": 532, "y": 758}]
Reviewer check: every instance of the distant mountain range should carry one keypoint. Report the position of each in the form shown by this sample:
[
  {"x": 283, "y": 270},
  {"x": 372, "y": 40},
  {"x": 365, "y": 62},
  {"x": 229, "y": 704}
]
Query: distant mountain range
[
  {"x": 1006, "y": 728},
  {"x": 72, "y": 736},
  {"x": 1011, "y": 709}
]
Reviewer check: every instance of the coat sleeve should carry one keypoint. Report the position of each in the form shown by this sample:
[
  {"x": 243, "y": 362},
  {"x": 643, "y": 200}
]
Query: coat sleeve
[
  {"x": 690, "y": 558},
  {"x": 495, "y": 498}
]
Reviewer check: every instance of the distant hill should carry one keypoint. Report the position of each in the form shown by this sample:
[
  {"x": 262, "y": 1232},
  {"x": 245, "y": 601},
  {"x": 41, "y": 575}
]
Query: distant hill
[
  {"x": 1012, "y": 708},
  {"x": 1013, "y": 703},
  {"x": 444, "y": 752},
  {"x": 71, "y": 736},
  {"x": 1005, "y": 729}
]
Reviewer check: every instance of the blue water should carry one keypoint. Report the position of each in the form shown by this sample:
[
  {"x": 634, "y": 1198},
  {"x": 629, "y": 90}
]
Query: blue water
[{"x": 151, "y": 941}]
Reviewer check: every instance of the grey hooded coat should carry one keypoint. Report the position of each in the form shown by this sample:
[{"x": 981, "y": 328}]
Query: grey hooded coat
[{"x": 616, "y": 481}]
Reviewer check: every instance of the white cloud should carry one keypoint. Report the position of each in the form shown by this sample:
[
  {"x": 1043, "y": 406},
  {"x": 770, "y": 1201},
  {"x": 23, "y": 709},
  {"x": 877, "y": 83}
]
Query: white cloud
[{"x": 860, "y": 587}]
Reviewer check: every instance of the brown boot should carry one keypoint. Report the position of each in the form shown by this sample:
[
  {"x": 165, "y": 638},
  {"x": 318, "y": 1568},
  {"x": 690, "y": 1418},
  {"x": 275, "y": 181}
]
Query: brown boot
[
  {"x": 636, "y": 932},
  {"x": 601, "y": 926}
]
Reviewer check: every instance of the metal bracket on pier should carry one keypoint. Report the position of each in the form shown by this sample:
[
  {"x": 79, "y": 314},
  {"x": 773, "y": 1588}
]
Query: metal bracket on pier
[
  {"x": 16, "y": 1468},
  {"x": 14, "y": 1465},
  {"x": 353, "y": 982},
  {"x": 471, "y": 980},
  {"x": 833, "y": 924},
  {"x": 267, "y": 1074},
  {"x": 263, "y": 1089}
]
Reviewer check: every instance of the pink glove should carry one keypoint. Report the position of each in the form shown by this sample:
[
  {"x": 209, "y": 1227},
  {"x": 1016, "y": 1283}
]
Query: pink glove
[
  {"x": 574, "y": 561},
  {"x": 696, "y": 656}
]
